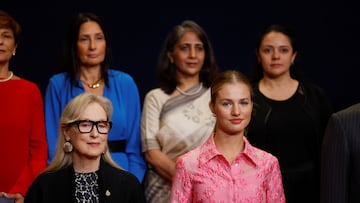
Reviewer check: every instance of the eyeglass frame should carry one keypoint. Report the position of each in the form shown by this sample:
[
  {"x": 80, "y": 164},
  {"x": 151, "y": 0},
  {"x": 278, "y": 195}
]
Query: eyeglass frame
[{"x": 94, "y": 123}]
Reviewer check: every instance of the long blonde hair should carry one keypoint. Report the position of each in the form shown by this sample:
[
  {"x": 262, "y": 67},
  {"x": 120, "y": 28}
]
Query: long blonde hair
[{"x": 71, "y": 113}]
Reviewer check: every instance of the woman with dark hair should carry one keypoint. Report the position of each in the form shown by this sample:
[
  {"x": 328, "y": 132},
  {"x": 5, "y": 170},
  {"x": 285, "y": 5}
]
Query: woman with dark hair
[
  {"x": 22, "y": 126},
  {"x": 289, "y": 114},
  {"x": 86, "y": 69},
  {"x": 175, "y": 117}
]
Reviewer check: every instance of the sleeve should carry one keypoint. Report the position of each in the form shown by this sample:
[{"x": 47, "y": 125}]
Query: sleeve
[
  {"x": 150, "y": 122},
  {"x": 37, "y": 145},
  {"x": 52, "y": 116},
  {"x": 275, "y": 189},
  {"x": 181, "y": 189},
  {"x": 335, "y": 153},
  {"x": 137, "y": 164}
]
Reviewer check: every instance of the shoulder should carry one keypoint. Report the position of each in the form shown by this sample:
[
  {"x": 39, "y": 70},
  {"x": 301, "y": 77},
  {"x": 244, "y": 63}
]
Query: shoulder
[
  {"x": 351, "y": 112},
  {"x": 118, "y": 176},
  {"x": 118, "y": 74},
  {"x": 28, "y": 88},
  {"x": 48, "y": 178},
  {"x": 156, "y": 95},
  {"x": 311, "y": 88},
  {"x": 260, "y": 156},
  {"x": 59, "y": 76}
]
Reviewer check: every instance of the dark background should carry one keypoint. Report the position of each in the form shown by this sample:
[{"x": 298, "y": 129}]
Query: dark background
[{"x": 328, "y": 36}]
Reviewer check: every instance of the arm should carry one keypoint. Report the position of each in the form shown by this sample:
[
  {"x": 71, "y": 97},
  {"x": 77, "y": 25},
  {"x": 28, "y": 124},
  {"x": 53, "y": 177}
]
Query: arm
[
  {"x": 181, "y": 189},
  {"x": 137, "y": 164},
  {"x": 335, "y": 161},
  {"x": 150, "y": 126},
  {"x": 275, "y": 190},
  {"x": 37, "y": 144},
  {"x": 52, "y": 117},
  {"x": 161, "y": 163}
]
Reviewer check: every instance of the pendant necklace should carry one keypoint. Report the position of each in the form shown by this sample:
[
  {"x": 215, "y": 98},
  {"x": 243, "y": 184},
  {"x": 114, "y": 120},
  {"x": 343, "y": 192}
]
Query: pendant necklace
[
  {"x": 95, "y": 85},
  {"x": 8, "y": 78},
  {"x": 190, "y": 93}
]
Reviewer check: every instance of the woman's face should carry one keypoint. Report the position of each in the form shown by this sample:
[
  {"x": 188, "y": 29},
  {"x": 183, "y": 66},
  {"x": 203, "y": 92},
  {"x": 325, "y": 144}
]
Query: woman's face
[
  {"x": 92, "y": 144},
  {"x": 7, "y": 45},
  {"x": 276, "y": 54},
  {"x": 188, "y": 55},
  {"x": 232, "y": 108},
  {"x": 91, "y": 44}
]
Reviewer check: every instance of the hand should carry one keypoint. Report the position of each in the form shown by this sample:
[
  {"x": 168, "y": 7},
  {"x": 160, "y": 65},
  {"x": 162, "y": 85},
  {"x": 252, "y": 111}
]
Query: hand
[{"x": 17, "y": 196}]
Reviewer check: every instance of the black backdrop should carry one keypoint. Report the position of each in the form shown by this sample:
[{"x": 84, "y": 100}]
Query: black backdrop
[{"x": 328, "y": 34}]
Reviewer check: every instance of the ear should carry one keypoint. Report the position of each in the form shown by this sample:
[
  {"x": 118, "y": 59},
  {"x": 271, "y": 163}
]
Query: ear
[
  {"x": 169, "y": 55},
  {"x": 293, "y": 57},
  {"x": 258, "y": 59},
  {"x": 211, "y": 106},
  {"x": 67, "y": 134}
]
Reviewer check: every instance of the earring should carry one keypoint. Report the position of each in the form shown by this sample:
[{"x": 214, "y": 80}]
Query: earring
[
  {"x": 67, "y": 147},
  {"x": 13, "y": 53}
]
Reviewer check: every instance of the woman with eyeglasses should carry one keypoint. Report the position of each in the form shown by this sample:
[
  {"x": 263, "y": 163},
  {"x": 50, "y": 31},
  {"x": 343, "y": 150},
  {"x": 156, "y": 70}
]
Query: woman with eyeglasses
[{"x": 82, "y": 169}]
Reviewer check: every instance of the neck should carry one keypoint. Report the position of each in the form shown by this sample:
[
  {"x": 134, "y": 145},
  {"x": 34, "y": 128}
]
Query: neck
[
  {"x": 276, "y": 82},
  {"x": 82, "y": 165}
]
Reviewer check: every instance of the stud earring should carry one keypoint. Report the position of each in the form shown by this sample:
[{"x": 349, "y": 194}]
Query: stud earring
[{"x": 13, "y": 53}]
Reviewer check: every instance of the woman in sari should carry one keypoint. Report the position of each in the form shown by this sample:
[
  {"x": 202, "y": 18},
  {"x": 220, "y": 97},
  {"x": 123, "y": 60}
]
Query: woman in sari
[{"x": 176, "y": 117}]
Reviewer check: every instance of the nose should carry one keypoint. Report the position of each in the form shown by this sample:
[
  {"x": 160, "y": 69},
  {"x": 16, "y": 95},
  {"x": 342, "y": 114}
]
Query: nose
[
  {"x": 92, "y": 44},
  {"x": 235, "y": 111},
  {"x": 276, "y": 55},
  {"x": 192, "y": 53}
]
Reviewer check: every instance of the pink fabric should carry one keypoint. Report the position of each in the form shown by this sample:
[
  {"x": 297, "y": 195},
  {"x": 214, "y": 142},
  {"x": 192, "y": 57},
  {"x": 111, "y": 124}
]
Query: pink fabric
[{"x": 204, "y": 175}]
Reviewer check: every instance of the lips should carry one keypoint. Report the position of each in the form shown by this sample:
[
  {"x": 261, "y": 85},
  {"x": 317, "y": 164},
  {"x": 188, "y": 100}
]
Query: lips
[{"x": 236, "y": 121}]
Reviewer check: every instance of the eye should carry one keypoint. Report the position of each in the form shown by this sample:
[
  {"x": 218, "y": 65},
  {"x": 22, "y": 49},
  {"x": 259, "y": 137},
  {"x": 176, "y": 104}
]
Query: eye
[
  {"x": 267, "y": 50},
  {"x": 85, "y": 124},
  {"x": 244, "y": 103},
  {"x": 199, "y": 47},
  {"x": 184, "y": 47},
  {"x": 226, "y": 103},
  {"x": 284, "y": 50}
]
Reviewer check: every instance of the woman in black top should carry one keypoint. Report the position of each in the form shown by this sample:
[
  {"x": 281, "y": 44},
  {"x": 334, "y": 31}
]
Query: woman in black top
[
  {"x": 82, "y": 169},
  {"x": 289, "y": 114}
]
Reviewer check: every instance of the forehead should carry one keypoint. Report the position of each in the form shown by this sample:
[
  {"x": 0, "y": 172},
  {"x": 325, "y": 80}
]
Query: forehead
[
  {"x": 6, "y": 30},
  {"x": 90, "y": 27},
  {"x": 275, "y": 38},
  {"x": 189, "y": 37},
  {"x": 236, "y": 90},
  {"x": 94, "y": 111}
]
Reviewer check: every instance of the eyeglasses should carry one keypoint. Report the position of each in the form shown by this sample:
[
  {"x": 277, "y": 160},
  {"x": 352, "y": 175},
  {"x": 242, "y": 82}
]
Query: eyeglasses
[{"x": 86, "y": 126}]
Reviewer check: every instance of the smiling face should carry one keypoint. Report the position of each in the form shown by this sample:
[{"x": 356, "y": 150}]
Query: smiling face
[
  {"x": 276, "y": 54},
  {"x": 7, "y": 45},
  {"x": 188, "y": 55},
  {"x": 91, "y": 44},
  {"x": 232, "y": 107},
  {"x": 88, "y": 145}
]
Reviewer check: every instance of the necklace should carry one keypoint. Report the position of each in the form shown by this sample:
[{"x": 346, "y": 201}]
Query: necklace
[
  {"x": 8, "y": 78},
  {"x": 190, "y": 93},
  {"x": 95, "y": 85}
]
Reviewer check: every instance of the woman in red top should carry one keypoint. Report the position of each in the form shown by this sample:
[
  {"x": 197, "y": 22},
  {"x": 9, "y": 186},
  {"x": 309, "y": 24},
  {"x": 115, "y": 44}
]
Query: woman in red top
[{"x": 23, "y": 150}]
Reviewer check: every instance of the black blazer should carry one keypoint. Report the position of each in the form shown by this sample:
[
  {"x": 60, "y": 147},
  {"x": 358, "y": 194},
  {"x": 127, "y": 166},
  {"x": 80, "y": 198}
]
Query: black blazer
[
  {"x": 340, "y": 157},
  {"x": 115, "y": 186}
]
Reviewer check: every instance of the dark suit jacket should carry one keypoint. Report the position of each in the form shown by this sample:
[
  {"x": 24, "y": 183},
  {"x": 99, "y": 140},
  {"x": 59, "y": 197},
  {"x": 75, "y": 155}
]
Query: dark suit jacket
[
  {"x": 114, "y": 185},
  {"x": 340, "y": 158}
]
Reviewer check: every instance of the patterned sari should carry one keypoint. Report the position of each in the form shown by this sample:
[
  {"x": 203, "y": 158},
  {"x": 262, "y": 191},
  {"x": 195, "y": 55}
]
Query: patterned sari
[{"x": 183, "y": 123}]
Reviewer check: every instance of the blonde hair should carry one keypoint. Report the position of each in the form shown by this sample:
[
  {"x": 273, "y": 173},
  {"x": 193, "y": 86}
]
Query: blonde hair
[
  {"x": 71, "y": 113},
  {"x": 228, "y": 77}
]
